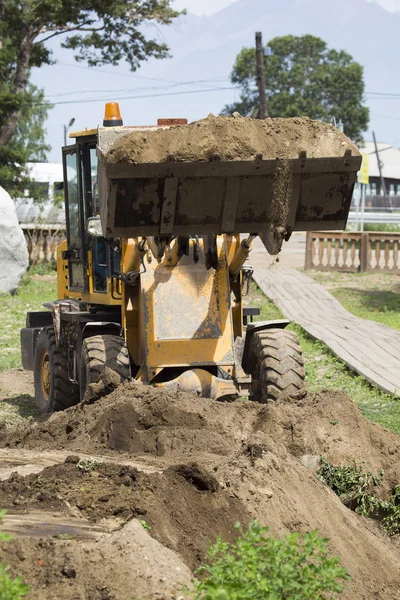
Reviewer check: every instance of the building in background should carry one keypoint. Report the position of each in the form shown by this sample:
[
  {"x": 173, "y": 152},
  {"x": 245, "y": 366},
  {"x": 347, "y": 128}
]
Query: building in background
[
  {"x": 47, "y": 210},
  {"x": 389, "y": 157}
]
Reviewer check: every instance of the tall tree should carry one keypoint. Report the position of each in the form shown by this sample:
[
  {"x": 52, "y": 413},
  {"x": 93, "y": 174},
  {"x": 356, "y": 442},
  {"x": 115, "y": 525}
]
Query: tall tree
[
  {"x": 304, "y": 77},
  {"x": 27, "y": 140},
  {"x": 98, "y": 31}
]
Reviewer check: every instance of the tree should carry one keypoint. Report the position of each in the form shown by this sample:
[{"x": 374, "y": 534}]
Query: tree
[
  {"x": 304, "y": 77},
  {"x": 27, "y": 142},
  {"x": 98, "y": 31}
]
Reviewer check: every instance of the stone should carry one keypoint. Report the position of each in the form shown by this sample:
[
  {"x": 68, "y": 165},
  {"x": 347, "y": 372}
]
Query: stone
[
  {"x": 311, "y": 461},
  {"x": 14, "y": 259}
]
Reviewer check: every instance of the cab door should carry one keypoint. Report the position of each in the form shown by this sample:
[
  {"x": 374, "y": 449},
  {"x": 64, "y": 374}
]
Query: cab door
[{"x": 75, "y": 218}]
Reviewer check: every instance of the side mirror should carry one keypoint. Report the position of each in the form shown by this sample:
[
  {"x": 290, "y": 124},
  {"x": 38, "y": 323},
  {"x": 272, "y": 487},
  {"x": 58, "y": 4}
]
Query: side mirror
[{"x": 93, "y": 227}]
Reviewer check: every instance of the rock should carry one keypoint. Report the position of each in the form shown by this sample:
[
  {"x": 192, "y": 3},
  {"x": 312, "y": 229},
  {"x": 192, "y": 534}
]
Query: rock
[
  {"x": 311, "y": 461},
  {"x": 13, "y": 252}
]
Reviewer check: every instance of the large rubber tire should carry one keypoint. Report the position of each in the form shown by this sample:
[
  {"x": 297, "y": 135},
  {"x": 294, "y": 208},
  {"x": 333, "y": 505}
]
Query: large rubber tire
[
  {"x": 53, "y": 388},
  {"x": 277, "y": 365},
  {"x": 102, "y": 351}
]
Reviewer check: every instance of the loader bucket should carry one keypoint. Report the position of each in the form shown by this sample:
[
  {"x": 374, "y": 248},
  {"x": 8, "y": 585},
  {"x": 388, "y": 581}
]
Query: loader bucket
[{"x": 218, "y": 196}]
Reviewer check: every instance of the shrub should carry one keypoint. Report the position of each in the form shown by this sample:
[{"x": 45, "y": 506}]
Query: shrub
[
  {"x": 260, "y": 567},
  {"x": 355, "y": 488}
]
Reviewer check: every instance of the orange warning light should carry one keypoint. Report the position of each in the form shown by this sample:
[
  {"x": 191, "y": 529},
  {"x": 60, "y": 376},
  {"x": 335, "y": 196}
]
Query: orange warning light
[{"x": 112, "y": 115}]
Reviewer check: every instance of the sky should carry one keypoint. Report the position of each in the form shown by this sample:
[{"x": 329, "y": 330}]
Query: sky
[
  {"x": 208, "y": 7},
  {"x": 156, "y": 89}
]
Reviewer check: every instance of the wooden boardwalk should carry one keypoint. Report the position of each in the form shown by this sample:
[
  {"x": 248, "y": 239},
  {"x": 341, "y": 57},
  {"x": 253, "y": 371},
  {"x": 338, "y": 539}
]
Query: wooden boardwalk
[{"x": 371, "y": 349}]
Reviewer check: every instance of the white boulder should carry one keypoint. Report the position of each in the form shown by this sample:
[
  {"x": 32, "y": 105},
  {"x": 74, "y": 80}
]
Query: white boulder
[{"x": 14, "y": 258}]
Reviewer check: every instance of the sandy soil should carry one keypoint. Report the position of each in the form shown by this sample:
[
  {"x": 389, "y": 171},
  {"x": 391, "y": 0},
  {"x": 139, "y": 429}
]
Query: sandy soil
[
  {"x": 230, "y": 138},
  {"x": 168, "y": 473}
]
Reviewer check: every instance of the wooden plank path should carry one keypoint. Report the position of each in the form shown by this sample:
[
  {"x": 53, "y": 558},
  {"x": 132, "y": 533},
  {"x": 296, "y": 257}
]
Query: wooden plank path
[{"x": 371, "y": 349}]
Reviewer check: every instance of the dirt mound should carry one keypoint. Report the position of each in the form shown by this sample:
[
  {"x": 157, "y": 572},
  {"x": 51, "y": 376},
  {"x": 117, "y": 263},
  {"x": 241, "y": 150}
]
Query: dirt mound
[
  {"x": 232, "y": 138},
  {"x": 126, "y": 564},
  {"x": 217, "y": 463},
  {"x": 176, "y": 427},
  {"x": 100, "y": 491}
]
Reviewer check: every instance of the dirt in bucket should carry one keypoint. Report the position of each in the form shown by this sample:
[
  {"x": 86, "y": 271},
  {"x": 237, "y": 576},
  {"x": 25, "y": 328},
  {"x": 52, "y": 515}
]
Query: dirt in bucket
[{"x": 232, "y": 138}]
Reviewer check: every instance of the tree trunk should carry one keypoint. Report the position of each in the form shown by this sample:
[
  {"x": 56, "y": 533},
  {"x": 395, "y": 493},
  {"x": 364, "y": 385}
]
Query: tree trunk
[
  {"x": 20, "y": 81},
  {"x": 1, "y": 18}
]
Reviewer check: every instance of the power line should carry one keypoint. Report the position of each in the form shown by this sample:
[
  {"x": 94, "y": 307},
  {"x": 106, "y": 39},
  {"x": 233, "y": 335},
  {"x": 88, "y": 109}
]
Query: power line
[
  {"x": 116, "y": 73},
  {"x": 172, "y": 81},
  {"x": 126, "y": 90},
  {"x": 105, "y": 99}
]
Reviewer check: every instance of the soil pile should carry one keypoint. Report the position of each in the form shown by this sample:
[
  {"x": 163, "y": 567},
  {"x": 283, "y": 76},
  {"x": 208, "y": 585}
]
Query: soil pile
[
  {"x": 232, "y": 138},
  {"x": 101, "y": 491},
  {"x": 126, "y": 564},
  {"x": 216, "y": 463}
]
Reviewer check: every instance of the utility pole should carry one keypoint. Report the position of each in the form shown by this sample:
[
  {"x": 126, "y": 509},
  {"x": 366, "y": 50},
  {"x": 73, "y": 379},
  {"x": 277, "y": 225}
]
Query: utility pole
[
  {"x": 383, "y": 185},
  {"x": 263, "y": 113}
]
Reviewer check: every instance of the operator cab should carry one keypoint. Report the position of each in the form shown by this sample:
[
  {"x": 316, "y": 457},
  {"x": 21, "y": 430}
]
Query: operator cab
[{"x": 86, "y": 254}]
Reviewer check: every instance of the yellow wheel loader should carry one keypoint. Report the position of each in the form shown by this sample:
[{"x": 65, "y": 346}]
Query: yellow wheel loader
[{"x": 150, "y": 276}]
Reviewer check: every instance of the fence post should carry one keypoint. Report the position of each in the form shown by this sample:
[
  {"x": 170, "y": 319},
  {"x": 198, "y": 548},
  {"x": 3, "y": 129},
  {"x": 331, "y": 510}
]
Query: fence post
[
  {"x": 308, "y": 258},
  {"x": 364, "y": 248}
]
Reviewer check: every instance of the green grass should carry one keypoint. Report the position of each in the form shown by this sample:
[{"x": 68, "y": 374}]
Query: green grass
[
  {"x": 30, "y": 296},
  {"x": 372, "y": 296},
  {"x": 326, "y": 372}
]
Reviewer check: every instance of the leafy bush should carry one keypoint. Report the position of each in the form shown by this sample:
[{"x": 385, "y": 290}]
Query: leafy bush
[
  {"x": 355, "y": 488},
  {"x": 259, "y": 567},
  {"x": 10, "y": 589}
]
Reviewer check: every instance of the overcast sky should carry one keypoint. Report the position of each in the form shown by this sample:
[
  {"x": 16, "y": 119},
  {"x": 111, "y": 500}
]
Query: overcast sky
[{"x": 207, "y": 7}]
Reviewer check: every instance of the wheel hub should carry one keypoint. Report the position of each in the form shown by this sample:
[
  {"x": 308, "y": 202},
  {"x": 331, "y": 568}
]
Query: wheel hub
[{"x": 45, "y": 374}]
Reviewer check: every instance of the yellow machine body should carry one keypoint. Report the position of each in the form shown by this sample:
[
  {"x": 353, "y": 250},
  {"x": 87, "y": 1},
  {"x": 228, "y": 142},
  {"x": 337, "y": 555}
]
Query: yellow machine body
[{"x": 165, "y": 270}]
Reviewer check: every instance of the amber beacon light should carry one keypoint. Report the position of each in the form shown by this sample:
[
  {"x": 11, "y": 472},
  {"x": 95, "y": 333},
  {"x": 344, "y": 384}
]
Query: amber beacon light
[{"x": 112, "y": 115}]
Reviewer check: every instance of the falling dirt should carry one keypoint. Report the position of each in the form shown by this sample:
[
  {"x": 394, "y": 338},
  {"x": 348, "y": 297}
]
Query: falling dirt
[
  {"x": 201, "y": 465},
  {"x": 232, "y": 138}
]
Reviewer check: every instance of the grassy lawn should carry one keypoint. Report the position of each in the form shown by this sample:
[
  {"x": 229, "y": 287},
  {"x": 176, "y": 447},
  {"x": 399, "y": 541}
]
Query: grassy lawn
[
  {"x": 325, "y": 372},
  {"x": 373, "y": 296},
  {"x": 37, "y": 286}
]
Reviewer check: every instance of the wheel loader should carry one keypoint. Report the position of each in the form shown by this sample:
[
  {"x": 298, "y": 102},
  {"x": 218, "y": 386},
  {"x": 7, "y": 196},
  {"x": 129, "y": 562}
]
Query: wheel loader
[{"x": 150, "y": 276}]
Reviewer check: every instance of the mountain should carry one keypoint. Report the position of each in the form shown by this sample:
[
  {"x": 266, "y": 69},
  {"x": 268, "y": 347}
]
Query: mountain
[{"x": 204, "y": 49}]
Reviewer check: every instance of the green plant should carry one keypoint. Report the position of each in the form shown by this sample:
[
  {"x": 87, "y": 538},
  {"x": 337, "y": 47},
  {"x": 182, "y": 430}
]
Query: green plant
[
  {"x": 145, "y": 525},
  {"x": 354, "y": 487},
  {"x": 10, "y": 589},
  {"x": 351, "y": 480},
  {"x": 260, "y": 567},
  {"x": 89, "y": 464}
]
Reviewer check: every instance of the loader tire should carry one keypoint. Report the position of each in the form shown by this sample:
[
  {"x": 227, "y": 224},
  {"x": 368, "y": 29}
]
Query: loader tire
[
  {"x": 53, "y": 388},
  {"x": 99, "y": 352},
  {"x": 277, "y": 365}
]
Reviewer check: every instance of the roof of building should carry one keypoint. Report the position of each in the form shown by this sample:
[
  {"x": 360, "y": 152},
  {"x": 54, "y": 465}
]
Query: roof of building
[
  {"x": 46, "y": 215},
  {"x": 389, "y": 157},
  {"x": 45, "y": 171}
]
